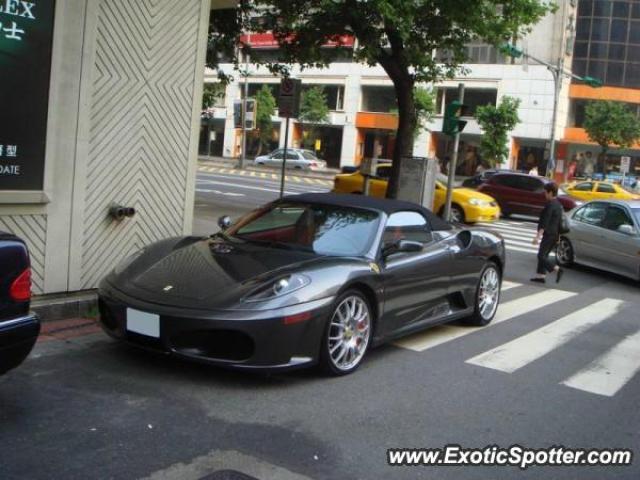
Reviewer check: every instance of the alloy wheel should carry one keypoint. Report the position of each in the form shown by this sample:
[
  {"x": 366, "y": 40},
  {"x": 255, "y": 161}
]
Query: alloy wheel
[
  {"x": 349, "y": 333},
  {"x": 489, "y": 293},
  {"x": 564, "y": 252}
]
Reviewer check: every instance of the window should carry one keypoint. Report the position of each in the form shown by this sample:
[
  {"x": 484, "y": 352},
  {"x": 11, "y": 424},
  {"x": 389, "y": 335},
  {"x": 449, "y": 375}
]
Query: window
[
  {"x": 531, "y": 184},
  {"x": 510, "y": 181},
  {"x": 322, "y": 229},
  {"x": 636, "y": 212},
  {"x": 584, "y": 187},
  {"x": 473, "y": 98},
  {"x": 407, "y": 226},
  {"x": 615, "y": 218},
  {"x": 379, "y": 99},
  {"x": 309, "y": 155},
  {"x": 592, "y": 214},
  {"x": 383, "y": 171},
  {"x": 605, "y": 188}
]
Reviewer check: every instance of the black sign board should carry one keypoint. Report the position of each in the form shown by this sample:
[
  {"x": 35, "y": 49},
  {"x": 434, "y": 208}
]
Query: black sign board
[{"x": 26, "y": 33}]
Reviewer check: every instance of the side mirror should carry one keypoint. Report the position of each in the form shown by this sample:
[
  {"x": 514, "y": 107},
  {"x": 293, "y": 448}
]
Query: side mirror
[
  {"x": 402, "y": 246},
  {"x": 224, "y": 222},
  {"x": 627, "y": 229}
]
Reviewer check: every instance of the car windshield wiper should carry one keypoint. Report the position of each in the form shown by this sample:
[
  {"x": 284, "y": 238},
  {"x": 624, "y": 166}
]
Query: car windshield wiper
[{"x": 275, "y": 243}]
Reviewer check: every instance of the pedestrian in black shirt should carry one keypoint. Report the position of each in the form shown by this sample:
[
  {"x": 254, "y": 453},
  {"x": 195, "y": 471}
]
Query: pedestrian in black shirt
[{"x": 549, "y": 231}]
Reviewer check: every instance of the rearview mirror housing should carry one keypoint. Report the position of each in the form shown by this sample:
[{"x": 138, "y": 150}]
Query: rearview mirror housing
[
  {"x": 224, "y": 222},
  {"x": 627, "y": 229},
  {"x": 402, "y": 246}
]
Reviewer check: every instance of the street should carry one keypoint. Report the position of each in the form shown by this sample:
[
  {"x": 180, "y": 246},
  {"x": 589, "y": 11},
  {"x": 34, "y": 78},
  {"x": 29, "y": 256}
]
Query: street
[{"x": 556, "y": 367}]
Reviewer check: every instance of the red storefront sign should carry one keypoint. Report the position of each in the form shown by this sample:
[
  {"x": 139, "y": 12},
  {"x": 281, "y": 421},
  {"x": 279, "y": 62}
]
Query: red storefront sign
[{"x": 268, "y": 40}]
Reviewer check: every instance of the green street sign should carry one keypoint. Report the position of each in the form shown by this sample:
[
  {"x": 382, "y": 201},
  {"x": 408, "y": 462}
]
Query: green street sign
[
  {"x": 592, "y": 82},
  {"x": 511, "y": 50}
]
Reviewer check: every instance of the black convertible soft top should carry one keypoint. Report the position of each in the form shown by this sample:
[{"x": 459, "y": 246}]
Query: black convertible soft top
[{"x": 372, "y": 203}]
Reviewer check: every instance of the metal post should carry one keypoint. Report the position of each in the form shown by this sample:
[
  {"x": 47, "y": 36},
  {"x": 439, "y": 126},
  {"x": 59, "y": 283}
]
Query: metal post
[
  {"x": 284, "y": 158},
  {"x": 453, "y": 162},
  {"x": 557, "y": 79},
  {"x": 243, "y": 154}
]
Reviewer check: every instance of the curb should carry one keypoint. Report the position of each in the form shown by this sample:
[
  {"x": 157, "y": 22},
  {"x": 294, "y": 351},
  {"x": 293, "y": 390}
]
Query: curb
[{"x": 62, "y": 306}]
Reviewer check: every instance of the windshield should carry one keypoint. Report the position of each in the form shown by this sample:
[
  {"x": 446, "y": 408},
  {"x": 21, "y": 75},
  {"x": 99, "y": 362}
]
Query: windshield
[{"x": 322, "y": 229}]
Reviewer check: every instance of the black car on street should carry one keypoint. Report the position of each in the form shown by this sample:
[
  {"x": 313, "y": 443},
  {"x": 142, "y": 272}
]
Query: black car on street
[
  {"x": 308, "y": 279},
  {"x": 19, "y": 328}
]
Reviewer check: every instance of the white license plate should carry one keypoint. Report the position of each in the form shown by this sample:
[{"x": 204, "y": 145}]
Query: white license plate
[{"x": 143, "y": 323}]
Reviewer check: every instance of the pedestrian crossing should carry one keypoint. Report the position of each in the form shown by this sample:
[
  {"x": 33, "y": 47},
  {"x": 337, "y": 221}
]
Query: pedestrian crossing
[
  {"x": 604, "y": 375},
  {"x": 266, "y": 175},
  {"x": 518, "y": 235}
]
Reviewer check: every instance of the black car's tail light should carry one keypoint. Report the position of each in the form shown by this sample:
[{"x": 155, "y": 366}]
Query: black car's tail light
[{"x": 20, "y": 290}]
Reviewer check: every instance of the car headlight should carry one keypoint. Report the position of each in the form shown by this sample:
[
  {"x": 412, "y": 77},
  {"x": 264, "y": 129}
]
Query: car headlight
[
  {"x": 277, "y": 288},
  {"x": 477, "y": 202},
  {"x": 124, "y": 264}
]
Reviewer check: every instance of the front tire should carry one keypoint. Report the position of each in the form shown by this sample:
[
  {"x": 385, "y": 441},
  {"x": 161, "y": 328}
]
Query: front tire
[
  {"x": 487, "y": 296},
  {"x": 457, "y": 213},
  {"x": 564, "y": 252},
  {"x": 347, "y": 335}
]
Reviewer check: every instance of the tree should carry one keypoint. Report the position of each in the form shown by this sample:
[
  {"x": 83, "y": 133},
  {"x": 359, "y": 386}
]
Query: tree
[
  {"x": 266, "y": 108},
  {"x": 313, "y": 110},
  {"x": 211, "y": 93},
  {"x": 399, "y": 35},
  {"x": 496, "y": 123},
  {"x": 611, "y": 123}
]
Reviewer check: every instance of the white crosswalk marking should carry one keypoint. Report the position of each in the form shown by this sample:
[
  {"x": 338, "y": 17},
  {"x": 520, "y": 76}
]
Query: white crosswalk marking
[
  {"x": 611, "y": 371},
  {"x": 517, "y": 235},
  {"x": 506, "y": 311},
  {"x": 532, "y": 346}
]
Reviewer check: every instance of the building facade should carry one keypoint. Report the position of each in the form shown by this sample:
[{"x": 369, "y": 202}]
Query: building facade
[
  {"x": 607, "y": 47},
  {"x": 361, "y": 99},
  {"x": 115, "y": 122}
]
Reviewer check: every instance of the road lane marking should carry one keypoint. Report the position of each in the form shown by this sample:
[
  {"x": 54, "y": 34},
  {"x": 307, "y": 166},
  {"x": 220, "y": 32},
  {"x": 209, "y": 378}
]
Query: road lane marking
[
  {"x": 218, "y": 192},
  {"x": 521, "y": 249},
  {"x": 506, "y": 311},
  {"x": 248, "y": 187},
  {"x": 607, "y": 374},
  {"x": 507, "y": 285},
  {"x": 517, "y": 353}
]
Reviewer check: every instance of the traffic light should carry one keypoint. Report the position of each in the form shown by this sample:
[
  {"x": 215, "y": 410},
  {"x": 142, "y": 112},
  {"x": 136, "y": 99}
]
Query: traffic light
[
  {"x": 511, "y": 50},
  {"x": 451, "y": 124},
  {"x": 592, "y": 82}
]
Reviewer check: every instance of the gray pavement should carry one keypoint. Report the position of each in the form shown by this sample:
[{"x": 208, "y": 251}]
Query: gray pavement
[{"x": 540, "y": 375}]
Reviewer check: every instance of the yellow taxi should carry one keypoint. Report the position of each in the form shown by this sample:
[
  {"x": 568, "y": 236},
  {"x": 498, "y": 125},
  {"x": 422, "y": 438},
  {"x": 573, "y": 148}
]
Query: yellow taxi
[
  {"x": 466, "y": 205},
  {"x": 594, "y": 190}
]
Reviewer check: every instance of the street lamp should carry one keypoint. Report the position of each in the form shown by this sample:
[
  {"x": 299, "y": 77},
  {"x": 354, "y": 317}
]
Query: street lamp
[{"x": 558, "y": 72}]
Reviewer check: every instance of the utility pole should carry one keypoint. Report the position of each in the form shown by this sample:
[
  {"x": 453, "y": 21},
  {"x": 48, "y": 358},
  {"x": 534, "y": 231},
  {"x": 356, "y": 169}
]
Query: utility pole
[
  {"x": 559, "y": 73},
  {"x": 243, "y": 153},
  {"x": 453, "y": 161}
]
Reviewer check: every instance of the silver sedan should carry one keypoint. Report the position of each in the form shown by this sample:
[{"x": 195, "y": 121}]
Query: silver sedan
[
  {"x": 297, "y": 158},
  {"x": 604, "y": 234}
]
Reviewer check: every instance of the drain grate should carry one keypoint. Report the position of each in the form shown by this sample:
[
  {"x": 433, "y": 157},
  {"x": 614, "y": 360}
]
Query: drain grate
[{"x": 228, "y": 475}]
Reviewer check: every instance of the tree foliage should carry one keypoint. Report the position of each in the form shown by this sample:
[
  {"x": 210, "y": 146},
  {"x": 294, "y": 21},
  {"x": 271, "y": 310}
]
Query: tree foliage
[
  {"x": 399, "y": 35},
  {"x": 211, "y": 93},
  {"x": 611, "y": 123},
  {"x": 313, "y": 111},
  {"x": 266, "y": 107},
  {"x": 496, "y": 123}
]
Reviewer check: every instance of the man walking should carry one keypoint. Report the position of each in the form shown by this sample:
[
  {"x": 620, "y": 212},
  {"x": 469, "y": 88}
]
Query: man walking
[{"x": 549, "y": 231}]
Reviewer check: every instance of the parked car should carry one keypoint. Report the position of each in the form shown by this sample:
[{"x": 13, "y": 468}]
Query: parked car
[
  {"x": 519, "y": 193},
  {"x": 604, "y": 234},
  {"x": 466, "y": 205},
  {"x": 312, "y": 278},
  {"x": 592, "y": 190},
  {"x": 479, "y": 178},
  {"x": 297, "y": 158},
  {"x": 19, "y": 328}
]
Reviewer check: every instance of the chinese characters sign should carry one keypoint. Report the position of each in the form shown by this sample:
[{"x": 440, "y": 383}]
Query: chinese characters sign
[{"x": 26, "y": 31}]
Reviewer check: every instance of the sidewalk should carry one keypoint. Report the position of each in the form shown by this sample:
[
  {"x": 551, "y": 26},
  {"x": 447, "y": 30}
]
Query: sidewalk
[{"x": 232, "y": 163}]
